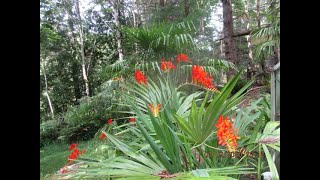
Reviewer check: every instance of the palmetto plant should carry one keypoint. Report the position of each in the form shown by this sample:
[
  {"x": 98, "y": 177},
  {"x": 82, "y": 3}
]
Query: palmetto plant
[
  {"x": 268, "y": 38},
  {"x": 173, "y": 128},
  {"x": 164, "y": 38},
  {"x": 179, "y": 123}
]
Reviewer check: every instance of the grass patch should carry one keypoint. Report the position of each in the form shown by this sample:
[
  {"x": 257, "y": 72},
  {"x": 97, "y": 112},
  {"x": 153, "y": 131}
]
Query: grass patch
[
  {"x": 55, "y": 156},
  {"x": 52, "y": 158}
]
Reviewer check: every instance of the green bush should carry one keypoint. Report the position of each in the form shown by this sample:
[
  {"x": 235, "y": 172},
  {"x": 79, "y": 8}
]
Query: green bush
[
  {"x": 49, "y": 132},
  {"x": 81, "y": 122}
]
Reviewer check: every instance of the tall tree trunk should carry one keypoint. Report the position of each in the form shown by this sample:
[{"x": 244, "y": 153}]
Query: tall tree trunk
[
  {"x": 75, "y": 79},
  {"x": 201, "y": 5},
  {"x": 83, "y": 58},
  {"x": 134, "y": 8},
  {"x": 201, "y": 25},
  {"x": 46, "y": 83},
  {"x": 186, "y": 7},
  {"x": 116, "y": 12},
  {"x": 258, "y": 14},
  {"x": 162, "y": 2},
  {"x": 277, "y": 49},
  {"x": 230, "y": 47},
  {"x": 250, "y": 70}
]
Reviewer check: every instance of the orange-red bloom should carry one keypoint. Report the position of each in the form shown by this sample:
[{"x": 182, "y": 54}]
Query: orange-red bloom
[
  {"x": 109, "y": 121},
  {"x": 182, "y": 57},
  {"x": 155, "y": 109},
  {"x": 199, "y": 76},
  {"x": 132, "y": 120},
  {"x": 140, "y": 78},
  {"x": 166, "y": 65},
  {"x": 102, "y": 136},
  {"x": 72, "y": 146},
  {"x": 225, "y": 134},
  {"x": 74, "y": 155}
]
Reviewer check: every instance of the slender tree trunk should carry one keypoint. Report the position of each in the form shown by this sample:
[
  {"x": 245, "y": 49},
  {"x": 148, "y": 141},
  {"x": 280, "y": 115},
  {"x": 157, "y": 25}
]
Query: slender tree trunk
[
  {"x": 258, "y": 14},
  {"x": 134, "y": 7},
  {"x": 277, "y": 49},
  {"x": 83, "y": 58},
  {"x": 201, "y": 19},
  {"x": 250, "y": 71},
  {"x": 75, "y": 79},
  {"x": 46, "y": 83},
  {"x": 186, "y": 7},
  {"x": 162, "y": 2},
  {"x": 221, "y": 49},
  {"x": 116, "y": 12},
  {"x": 202, "y": 26},
  {"x": 230, "y": 47}
]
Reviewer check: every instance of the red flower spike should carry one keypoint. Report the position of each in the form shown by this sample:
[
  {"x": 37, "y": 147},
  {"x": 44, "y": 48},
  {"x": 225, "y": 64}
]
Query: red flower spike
[
  {"x": 163, "y": 65},
  {"x": 72, "y": 146},
  {"x": 102, "y": 136},
  {"x": 182, "y": 57},
  {"x": 132, "y": 120},
  {"x": 140, "y": 78},
  {"x": 74, "y": 155},
  {"x": 170, "y": 65},
  {"x": 166, "y": 65},
  {"x": 199, "y": 76},
  {"x": 109, "y": 121},
  {"x": 225, "y": 134}
]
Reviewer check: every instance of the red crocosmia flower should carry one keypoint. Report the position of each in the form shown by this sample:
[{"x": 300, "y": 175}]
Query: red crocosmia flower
[
  {"x": 163, "y": 65},
  {"x": 102, "y": 136},
  {"x": 72, "y": 146},
  {"x": 76, "y": 151},
  {"x": 74, "y": 155},
  {"x": 109, "y": 121},
  {"x": 225, "y": 134},
  {"x": 132, "y": 120},
  {"x": 170, "y": 65},
  {"x": 166, "y": 65},
  {"x": 182, "y": 57},
  {"x": 199, "y": 76},
  {"x": 155, "y": 109},
  {"x": 140, "y": 78}
]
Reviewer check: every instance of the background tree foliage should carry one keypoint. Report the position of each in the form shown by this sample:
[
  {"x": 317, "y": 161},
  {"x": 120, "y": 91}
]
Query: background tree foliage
[{"x": 92, "y": 46}]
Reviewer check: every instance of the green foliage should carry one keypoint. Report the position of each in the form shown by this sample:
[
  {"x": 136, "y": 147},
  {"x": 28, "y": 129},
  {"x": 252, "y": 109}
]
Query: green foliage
[
  {"x": 49, "y": 132},
  {"x": 163, "y": 38},
  {"x": 52, "y": 158},
  {"x": 83, "y": 121},
  {"x": 55, "y": 156},
  {"x": 180, "y": 138},
  {"x": 268, "y": 37}
]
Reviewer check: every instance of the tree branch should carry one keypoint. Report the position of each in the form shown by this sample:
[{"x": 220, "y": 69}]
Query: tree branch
[
  {"x": 244, "y": 33},
  {"x": 237, "y": 34}
]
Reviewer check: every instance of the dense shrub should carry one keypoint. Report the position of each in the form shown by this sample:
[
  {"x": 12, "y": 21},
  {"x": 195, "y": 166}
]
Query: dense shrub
[
  {"x": 49, "y": 132},
  {"x": 81, "y": 122}
]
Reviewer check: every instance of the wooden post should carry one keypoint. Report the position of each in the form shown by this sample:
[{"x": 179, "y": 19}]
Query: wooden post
[{"x": 275, "y": 107}]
